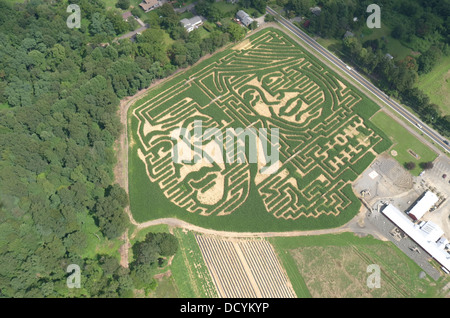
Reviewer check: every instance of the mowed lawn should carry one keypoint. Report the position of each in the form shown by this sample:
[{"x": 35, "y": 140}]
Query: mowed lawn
[
  {"x": 436, "y": 85},
  {"x": 403, "y": 141},
  {"x": 335, "y": 266}
]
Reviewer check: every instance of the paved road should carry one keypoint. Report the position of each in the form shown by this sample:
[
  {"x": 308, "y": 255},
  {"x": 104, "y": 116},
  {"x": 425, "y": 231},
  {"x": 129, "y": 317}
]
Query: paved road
[
  {"x": 133, "y": 33},
  {"x": 189, "y": 7},
  {"x": 436, "y": 137}
]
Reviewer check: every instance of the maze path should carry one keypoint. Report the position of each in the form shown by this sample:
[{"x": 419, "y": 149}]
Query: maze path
[{"x": 267, "y": 83}]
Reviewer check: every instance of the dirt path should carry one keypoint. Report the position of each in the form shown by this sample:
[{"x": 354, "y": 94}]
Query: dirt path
[{"x": 123, "y": 250}]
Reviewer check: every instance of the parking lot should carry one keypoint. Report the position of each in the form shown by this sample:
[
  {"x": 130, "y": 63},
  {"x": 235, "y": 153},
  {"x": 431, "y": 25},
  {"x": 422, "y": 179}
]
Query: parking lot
[
  {"x": 433, "y": 179},
  {"x": 386, "y": 181}
]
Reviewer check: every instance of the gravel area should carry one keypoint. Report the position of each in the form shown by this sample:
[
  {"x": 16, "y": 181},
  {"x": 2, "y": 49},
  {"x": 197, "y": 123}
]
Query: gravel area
[{"x": 385, "y": 227}]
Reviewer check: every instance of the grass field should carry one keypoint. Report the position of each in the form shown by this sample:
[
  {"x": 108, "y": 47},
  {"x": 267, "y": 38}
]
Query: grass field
[
  {"x": 436, "y": 85},
  {"x": 326, "y": 141},
  {"x": 187, "y": 276},
  {"x": 189, "y": 271},
  {"x": 336, "y": 266},
  {"x": 403, "y": 141}
]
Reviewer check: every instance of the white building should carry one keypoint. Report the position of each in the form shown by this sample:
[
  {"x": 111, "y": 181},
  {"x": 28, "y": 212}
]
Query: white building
[
  {"x": 423, "y": 205},
  {"x": 192, "y": 23},
  {"x": 422, "y": 236},
  {"x": 431, "y": 231}
]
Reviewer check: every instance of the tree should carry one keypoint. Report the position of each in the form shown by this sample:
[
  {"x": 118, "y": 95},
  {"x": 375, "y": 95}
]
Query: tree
[
  {"x": 123, "y": 4},
  {"x": 236, "y": 32},
  {"x": 253, "y": 25},
  {"x": 429, "y": 59},
  {"x": 410, "y": 165},
  {"x": 427, "y": 165},
  {"x": 168, "y": 244}
]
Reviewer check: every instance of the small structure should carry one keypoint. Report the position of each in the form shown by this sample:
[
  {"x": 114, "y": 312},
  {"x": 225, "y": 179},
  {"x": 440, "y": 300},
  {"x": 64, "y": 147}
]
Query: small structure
[
  {"x": 149, "y": 5},
  {"x": 192, "y": 23},
  {"x": 348, "y": 34},
  {"x": 244, "y": 18},
  {"x": 126, "y": 15},
  {"x": 423, "y": 205},
  {"x": 316, "y": 10},
  {"x": 233, "y": 1},
  {"x": 388, "y": 56}
]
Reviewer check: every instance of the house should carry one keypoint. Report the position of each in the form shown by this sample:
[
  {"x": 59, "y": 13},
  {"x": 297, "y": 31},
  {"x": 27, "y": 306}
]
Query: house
[
  {"x": 192, "y": 23},
  {"x": 244, "y": 18},
  {"x": 126, "y": 15},
  {"x": 149, "y": 5},
  {"x": 316, "y": 10}
]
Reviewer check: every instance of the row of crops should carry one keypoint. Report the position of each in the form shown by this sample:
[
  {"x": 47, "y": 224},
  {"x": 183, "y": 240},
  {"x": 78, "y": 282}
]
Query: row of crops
[{"x": 245, "y": 268}]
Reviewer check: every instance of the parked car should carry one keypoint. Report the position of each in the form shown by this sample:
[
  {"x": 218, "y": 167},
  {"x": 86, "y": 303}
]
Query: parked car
[{"x": 444, "y": 176}]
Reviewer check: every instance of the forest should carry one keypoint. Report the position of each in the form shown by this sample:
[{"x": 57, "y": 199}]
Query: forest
[
  {"x": 59, "y": 95},
  {"x": 422, "y": 26}
]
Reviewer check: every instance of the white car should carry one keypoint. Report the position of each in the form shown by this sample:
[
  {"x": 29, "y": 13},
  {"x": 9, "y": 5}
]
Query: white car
[{"x": 419, "y": 125}]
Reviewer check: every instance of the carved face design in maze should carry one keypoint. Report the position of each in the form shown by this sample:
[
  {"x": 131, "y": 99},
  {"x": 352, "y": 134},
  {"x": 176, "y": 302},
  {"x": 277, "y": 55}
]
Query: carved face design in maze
[{"x": 257, "y": 87}]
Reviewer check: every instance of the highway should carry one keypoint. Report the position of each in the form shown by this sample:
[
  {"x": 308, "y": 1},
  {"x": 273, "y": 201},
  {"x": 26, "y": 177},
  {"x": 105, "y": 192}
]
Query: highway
[{"x": 431, "y": 133}]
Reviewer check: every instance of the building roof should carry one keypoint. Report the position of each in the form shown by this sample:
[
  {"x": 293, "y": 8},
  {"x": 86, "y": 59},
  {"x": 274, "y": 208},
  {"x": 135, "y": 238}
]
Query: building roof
[
  {"x": 431, "y": 231},
  {"x": 315, "y": 10},
  {"x": 348, "y": 34},
  {"x": 244, "y": 17},
  {"x": 423, "y": 205},
  {"x": 148, "y": 4},
  {"x": 126, "y": 15},
  {"x": 417, "y": 235},
  {"x": 187, "y": 23}
]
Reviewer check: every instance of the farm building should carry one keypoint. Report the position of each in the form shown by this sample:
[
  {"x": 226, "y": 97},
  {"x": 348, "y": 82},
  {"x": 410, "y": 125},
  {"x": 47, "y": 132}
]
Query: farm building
[
  {"x": 149, "y": 5},
  {"x": 422, "y": 236},
  {"x": 192, "y": 23},
  {"x": 423, "y": 205},
  {"x": 431, "y": 231},
  {"x": 244, "y": 18}
]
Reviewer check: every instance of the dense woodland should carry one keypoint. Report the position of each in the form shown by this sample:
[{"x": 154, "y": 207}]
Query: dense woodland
[
  {"x": 422, "y": 25},
  {"x": 59, "y": 95}
]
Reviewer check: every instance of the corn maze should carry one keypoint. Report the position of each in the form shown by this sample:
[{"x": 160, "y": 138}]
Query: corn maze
[
  {"x": 244, "y": 268},
  {"x": 265, "y": 82}
]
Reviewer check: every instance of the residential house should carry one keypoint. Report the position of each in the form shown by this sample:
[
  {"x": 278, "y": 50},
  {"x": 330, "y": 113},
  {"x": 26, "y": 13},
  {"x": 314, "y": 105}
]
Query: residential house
[
  {"x": 192, "y": 23},
  {"x": 316, "y": 10},
  {"x": 149, "y": 5},
  {"x": 126, "y": 15}
]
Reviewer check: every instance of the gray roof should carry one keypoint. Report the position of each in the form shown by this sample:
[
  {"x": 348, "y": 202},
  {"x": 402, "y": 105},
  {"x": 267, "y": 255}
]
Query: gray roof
[
  {"x": 244, "y": 17},
  {"x": 348, "y": 34}
]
